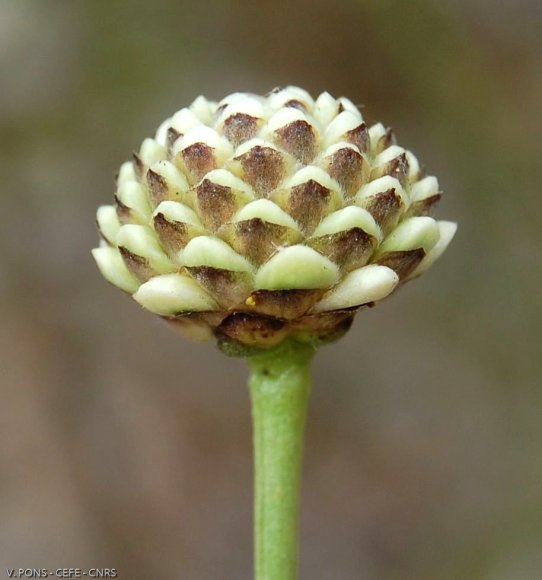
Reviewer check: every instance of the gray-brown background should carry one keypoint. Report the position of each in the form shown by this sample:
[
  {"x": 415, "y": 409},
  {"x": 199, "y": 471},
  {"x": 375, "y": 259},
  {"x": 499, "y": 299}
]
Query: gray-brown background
[{"x": 122, "y": 445}]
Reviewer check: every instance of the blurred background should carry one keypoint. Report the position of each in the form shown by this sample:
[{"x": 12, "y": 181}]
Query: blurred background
[{"x": 125, "y": 446}]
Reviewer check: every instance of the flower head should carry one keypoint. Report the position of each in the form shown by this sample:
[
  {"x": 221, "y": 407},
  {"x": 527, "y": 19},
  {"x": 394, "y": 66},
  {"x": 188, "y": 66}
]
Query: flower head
[{"x": 263, "y": 217}]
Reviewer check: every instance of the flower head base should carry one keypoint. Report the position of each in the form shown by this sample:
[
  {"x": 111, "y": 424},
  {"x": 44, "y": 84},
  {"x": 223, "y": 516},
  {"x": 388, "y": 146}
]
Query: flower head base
[{"x": 258, "y": 218}]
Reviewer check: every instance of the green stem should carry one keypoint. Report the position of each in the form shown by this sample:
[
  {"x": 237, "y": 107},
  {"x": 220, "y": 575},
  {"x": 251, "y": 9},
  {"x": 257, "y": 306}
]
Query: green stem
[{"x": 279, "y": 386}]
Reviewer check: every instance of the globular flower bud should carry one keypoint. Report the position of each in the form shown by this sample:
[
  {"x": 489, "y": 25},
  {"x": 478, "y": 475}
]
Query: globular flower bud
[{"x": 260, "y": 218}]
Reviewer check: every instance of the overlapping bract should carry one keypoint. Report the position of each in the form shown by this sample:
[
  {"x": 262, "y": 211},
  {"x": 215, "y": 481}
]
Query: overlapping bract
[{"x": 258, "y": 218}]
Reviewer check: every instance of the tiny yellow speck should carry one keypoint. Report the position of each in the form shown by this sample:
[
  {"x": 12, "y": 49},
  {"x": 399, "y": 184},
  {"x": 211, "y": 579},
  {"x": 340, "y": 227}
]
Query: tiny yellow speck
[{"x": 250, "y": 301}]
